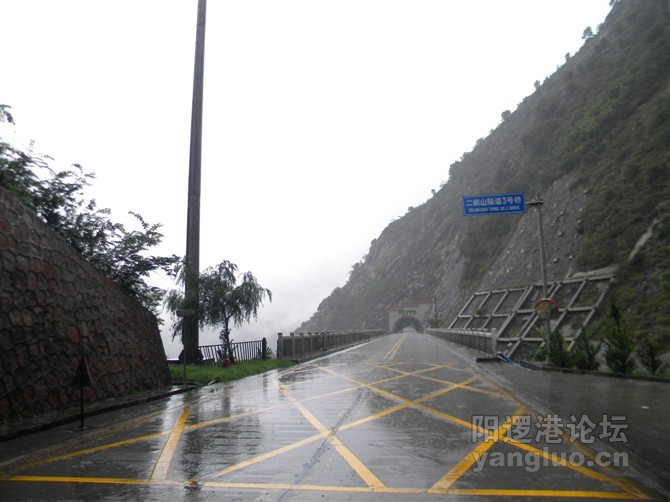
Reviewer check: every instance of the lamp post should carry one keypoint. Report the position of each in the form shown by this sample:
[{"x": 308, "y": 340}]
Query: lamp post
[
  {"x": 190, "y": 333},
  {"x": 537, "y": 203}
]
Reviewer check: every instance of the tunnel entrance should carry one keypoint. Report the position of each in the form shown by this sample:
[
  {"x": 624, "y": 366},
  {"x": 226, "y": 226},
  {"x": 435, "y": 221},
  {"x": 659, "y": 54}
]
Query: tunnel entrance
[
  {"x": 409, "y": 314},
  {"x": 407, "y": 322}
]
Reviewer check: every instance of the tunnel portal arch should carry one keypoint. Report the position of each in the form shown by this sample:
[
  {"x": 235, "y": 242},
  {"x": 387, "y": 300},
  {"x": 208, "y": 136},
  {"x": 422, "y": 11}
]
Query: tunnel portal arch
[
  {"x": 407, "y": 322},
  {"x": 409, "y": 314}
]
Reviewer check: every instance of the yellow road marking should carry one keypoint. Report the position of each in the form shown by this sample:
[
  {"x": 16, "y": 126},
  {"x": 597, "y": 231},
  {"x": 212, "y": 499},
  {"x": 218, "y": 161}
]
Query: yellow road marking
[
  {"x": 325, "y": 433},
  {"x": 163, "y": 464},
  {"x": 419, "y": 374},
  {"x": 270, "y": 454},
  {"x": 55, "y": 454},
  {"x": 564, "y": 463},
  {"x": 376, "y": 416},
  {"x": 392, "y": 352},
  {"x": 443, "y": 485},
  {"x": 359, "y": 467},
  {"x": 628, "y": 487},
  {"x": 409, "y": 373},
  {"x": 41, "y": 461},
  {"x": 311, "y": 439},
  {"x": 502, "y": 391},
  {"x": 399, "y": 407},
  {"x": 74, "y": 479},
  {"x": 545, "y": 493},
  {"x": 319, "y": 488},
  {"x": 222, "y": 420},
  {"x": 417, "y": 402},
  {"x": 328, "y": 488}
]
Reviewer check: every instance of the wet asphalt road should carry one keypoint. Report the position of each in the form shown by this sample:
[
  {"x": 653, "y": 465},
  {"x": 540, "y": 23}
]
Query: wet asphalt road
[{"x": 405, "y": 417}]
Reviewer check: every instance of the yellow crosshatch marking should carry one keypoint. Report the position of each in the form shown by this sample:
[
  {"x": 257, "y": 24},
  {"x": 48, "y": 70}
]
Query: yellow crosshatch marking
[
  {"x": 443, "y": 485},
  {"x": 161, "y": 468},
  {"x": 351, "y": 459},
  {"x": 290, "y": 397}
]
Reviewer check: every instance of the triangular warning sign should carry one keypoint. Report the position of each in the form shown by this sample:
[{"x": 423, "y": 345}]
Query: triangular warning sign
[{"x": 82, "y": 378}]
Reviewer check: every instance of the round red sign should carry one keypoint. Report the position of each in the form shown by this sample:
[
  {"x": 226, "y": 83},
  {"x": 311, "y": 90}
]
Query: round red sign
[{"x": 546, "y": 308}]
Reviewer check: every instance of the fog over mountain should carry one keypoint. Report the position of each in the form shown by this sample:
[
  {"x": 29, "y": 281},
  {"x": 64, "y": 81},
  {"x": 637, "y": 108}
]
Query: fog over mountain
[{"x": 593, "y": 142}]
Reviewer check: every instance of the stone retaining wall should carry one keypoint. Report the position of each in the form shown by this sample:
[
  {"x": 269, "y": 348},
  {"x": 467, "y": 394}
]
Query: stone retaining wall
[{"x": 55, "y": 308}]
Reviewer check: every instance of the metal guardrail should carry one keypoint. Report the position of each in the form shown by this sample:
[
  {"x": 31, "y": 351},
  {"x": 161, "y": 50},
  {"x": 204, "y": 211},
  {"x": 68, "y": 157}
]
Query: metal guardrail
[
  {"x": 483, "y": 341},
  {"x": 297, "y": 346},
  {"x": 243, "y": 351}
]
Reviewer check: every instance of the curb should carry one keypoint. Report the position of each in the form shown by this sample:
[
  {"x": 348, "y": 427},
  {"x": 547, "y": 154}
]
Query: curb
[
  {"x": 489, "y": 359},
  {"x": 13, "y": 430},
  {"x": 575, "y": 371}
]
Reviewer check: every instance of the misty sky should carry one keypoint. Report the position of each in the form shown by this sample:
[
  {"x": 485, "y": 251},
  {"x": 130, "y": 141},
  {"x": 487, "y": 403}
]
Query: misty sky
[{"x": 323, "y": 119}]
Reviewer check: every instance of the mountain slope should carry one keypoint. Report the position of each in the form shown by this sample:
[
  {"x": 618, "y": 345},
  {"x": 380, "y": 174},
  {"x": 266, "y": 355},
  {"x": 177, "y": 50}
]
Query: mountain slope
[{"x": 593, "y": 142}]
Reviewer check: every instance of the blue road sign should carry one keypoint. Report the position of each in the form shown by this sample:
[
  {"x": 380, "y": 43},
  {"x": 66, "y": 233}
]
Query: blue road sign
[{"x": 504, "y": 203}]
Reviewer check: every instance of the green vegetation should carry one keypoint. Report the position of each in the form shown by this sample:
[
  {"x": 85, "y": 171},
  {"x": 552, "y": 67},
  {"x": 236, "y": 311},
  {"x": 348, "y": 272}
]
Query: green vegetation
[
  {"x": 206, "y": 374},
  {"x": 585, "y": 351},
  {"x": 619, "y": 354},
  {"x": 620, "y": 345},
  {"x": 556, "y": 350},
  {"x": 642, "y": 285},
  {"x": 662, "y": 374},
  {"x": 649, "y": 352},
  {"x": 57, "y": 199}
]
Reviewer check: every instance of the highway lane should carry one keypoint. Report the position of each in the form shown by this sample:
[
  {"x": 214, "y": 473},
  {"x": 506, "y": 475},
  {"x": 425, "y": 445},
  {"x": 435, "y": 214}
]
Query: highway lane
[{"x": 404, "y": 417}]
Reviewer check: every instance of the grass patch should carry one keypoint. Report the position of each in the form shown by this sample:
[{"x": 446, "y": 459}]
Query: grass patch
[
  {"x": 207, "y": 374},
  {"x": 663, "y": 374}
]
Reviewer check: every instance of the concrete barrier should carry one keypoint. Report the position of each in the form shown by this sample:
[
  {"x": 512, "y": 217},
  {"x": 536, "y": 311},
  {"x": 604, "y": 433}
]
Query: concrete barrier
[
  {"x": 299, "y": 346},
  {"x": 483, "y": 341}
]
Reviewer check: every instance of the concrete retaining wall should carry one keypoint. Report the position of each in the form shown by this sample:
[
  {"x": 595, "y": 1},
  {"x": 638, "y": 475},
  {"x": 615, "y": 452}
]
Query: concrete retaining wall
[
  {"x": 304, "y": 345},
  {"x": 55, "y": 308}
]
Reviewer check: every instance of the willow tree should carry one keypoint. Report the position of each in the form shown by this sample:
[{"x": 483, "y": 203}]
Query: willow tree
[{"x": 226, "y": 299}]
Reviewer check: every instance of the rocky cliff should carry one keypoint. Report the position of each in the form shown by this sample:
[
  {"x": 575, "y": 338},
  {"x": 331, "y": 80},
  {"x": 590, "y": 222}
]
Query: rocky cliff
[{"x": 593, "y": 142}]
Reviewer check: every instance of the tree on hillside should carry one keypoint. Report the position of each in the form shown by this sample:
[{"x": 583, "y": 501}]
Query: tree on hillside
[
  {"x": 57, "y": 199},
  {"x": 620, "y": 345},
  {"x": 222, "y": 300}
]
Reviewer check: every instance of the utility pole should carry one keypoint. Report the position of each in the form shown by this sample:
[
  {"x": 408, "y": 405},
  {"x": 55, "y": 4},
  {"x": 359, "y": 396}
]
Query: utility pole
[
  {"x": 190, "y": 334},
  {"x": 537, "y": 203}
]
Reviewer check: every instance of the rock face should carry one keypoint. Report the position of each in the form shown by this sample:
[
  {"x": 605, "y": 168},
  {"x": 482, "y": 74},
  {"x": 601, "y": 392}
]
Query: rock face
[
  {"x": 591, "y": 142},
  {"x": 55, "y": 308}
]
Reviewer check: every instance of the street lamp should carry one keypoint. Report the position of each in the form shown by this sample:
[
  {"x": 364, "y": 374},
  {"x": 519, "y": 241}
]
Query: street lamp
[{"x": 537, "y": 203}]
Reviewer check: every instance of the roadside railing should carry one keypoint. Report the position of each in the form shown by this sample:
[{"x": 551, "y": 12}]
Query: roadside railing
[
  {"x": 242, "y": 351},
  {"x": 298, "y": 346},
  {"x": 483, "y": 341}
]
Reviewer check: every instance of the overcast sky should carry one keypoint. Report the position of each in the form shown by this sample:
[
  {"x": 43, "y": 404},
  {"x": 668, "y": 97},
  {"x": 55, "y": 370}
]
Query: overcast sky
[{"x": 323, "y": 119}]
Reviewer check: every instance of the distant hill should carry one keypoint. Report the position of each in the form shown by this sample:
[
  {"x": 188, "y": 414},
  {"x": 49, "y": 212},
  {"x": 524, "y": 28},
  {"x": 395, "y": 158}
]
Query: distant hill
[{"x": 592, "y": 141}]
